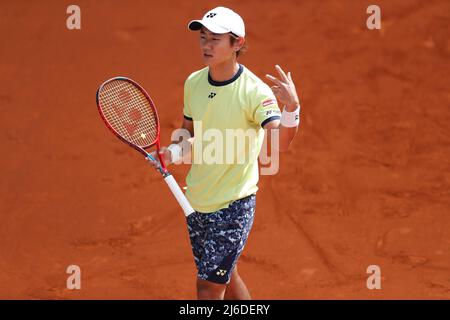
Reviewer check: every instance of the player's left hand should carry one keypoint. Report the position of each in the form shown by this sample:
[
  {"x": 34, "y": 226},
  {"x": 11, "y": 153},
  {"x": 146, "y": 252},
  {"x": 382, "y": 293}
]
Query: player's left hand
[{"x": 284, "y": 89}]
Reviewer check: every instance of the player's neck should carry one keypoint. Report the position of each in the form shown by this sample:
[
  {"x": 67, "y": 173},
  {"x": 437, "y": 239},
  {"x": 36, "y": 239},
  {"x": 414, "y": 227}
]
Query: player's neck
[{"x": 224, "y": 71}]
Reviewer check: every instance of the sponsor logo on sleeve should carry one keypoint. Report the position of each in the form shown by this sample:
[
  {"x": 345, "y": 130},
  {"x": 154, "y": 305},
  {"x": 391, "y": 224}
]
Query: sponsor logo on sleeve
[
  {"x": 268, "y": 102},
  {"x": 270, "y": 112}
]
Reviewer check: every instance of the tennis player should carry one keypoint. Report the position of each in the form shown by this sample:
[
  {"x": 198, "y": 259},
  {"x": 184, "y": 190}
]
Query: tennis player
[{"x": 226, "y": 95}]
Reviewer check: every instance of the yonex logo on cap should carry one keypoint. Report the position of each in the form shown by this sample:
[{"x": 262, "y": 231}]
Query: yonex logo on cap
[{"x": 220, "y": 20}]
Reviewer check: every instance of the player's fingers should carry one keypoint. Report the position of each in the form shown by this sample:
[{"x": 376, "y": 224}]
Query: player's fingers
[
  {"x": 153, "y": 159},
  {"x": 273, "y": 79},
  {"x": 290, "y": 76},
  {"x": 149, "y": 160},
  {"x": 281, "y": 73},
  {"x": 152, "y": 163},
  {"x": 155, "y": 164},
  {"x": 276, "y": 91}
]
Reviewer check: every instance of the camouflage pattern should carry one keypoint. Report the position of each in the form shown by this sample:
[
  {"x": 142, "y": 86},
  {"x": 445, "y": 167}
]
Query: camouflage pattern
[{"x": 218, "y": 238}]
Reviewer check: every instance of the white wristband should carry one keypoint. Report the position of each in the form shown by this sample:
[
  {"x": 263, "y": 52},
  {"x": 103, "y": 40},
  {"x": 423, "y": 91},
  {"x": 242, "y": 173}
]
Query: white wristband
[
  {"x": 290, "y": 119},
  {"x": 175, "y": 151}
]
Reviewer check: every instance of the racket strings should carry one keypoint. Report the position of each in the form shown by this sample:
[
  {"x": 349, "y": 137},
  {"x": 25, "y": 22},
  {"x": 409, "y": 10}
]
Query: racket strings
[{"x": 128, "y": 112}]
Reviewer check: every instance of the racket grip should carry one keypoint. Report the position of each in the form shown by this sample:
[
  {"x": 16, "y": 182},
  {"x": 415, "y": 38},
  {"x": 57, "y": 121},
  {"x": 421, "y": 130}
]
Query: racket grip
[{"x": 179, "y": 195}]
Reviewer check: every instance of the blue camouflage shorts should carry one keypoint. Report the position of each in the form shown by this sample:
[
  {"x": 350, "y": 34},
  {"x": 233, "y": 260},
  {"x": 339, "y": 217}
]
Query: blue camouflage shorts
[{"x": 218, "y": 238}]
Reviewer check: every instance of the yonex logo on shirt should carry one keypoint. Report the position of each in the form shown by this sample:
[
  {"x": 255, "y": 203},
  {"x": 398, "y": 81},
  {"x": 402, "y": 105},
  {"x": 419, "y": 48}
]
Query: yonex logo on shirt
[
  {"x": 269, "y": 112},
  {"x": 211, "y": 15},
  {"x": 212, "y": 95}
]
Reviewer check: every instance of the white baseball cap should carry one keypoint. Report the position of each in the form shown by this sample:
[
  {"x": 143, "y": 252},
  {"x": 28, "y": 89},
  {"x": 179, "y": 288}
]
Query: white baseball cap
[{"x": 220, "y": 20}]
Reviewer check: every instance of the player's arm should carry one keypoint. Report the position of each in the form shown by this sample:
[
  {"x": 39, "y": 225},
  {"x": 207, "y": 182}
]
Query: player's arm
[
  {"x": 184, "y": 142},
  {"x": 182, "y": 138},
  {"x": 284, "y": 90},
  {"x": 188, "y": 124},
  {"x": 181, "y": 146}
]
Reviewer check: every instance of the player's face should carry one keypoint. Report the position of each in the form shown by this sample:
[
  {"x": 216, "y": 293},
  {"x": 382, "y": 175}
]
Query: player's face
[{"x": 216, "y": 48}]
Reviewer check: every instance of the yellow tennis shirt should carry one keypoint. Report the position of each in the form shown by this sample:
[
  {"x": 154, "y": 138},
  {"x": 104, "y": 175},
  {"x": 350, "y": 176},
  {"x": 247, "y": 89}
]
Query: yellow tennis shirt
[{"x": 228, "y": 136}]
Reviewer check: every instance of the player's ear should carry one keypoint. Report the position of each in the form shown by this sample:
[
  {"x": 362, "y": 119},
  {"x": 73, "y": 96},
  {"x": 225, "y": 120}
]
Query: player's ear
[
  {"x": 239, "y": 43},
  {"x": 236, "y": 42}
]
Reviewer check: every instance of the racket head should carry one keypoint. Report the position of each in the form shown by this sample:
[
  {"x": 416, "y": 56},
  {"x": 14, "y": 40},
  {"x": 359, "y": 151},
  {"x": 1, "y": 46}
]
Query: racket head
[{"x": 129, "y": 112}]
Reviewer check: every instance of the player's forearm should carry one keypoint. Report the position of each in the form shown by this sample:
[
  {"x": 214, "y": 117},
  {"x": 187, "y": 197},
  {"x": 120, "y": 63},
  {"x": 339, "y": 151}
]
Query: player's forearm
[
  {"x": 285, "y": 91},
  {"x": 286, "y": 136},
  {"x": 288, "y": 129}
]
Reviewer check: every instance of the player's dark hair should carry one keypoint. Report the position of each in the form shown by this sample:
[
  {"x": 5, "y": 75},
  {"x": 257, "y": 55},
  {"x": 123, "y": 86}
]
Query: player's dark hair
[{"x": 244, "y": 48}]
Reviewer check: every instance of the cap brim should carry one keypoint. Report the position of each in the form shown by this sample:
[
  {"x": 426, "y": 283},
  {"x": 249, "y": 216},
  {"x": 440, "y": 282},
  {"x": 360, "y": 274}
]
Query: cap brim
[{"x": 196, "y": 25}]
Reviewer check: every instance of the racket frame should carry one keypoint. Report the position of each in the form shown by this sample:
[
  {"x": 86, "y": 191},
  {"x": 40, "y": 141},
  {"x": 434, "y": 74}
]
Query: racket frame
[
  {"x": 168, "y": 178},
  {"x": 142, "y": 150}
]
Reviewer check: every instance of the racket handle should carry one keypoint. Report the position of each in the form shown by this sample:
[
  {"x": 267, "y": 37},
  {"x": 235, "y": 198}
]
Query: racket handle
[{"x": 179, "y": 195}]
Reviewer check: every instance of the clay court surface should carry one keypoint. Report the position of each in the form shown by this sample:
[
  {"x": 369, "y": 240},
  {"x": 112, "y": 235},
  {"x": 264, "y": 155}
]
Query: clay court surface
[{"x": 366, "y": 182}]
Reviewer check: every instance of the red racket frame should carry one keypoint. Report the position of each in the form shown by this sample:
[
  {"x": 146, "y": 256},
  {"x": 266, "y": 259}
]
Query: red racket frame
[{"x": 152, "y": 105}]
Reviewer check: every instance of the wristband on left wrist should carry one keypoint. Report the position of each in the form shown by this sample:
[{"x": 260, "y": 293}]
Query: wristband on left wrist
[{"x": 290, "y": 119}]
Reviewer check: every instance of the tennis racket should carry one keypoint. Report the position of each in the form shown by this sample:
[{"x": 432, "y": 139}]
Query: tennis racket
[{"x": 129, "y": 112}]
